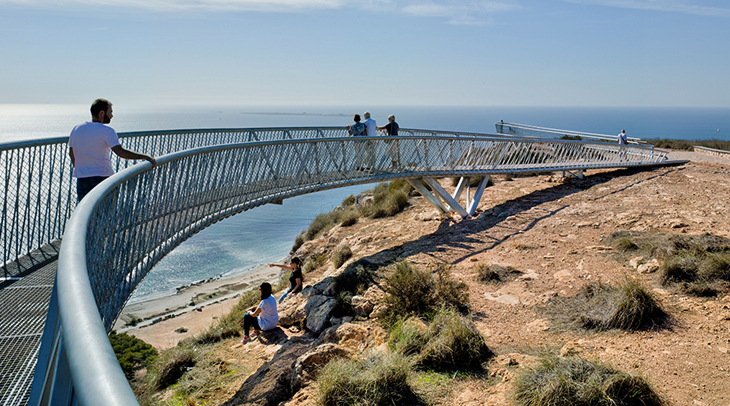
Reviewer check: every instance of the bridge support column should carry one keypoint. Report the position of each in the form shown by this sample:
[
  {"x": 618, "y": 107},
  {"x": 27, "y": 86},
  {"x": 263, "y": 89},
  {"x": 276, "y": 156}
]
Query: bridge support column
[
  {"x": 418, "y": 185},
  {"x": 471, "y": 203},
  {"x": 445, "y": 202},
  {"x": 573, "y": 174}
]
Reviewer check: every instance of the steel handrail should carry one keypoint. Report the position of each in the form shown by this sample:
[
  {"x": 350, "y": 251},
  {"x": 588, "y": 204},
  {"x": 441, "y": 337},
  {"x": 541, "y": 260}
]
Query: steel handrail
[{"x": 38, "y": 190}]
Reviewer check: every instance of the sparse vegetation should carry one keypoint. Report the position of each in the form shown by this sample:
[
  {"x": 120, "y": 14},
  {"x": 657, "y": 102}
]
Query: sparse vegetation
[
  {"x": 575, "y": 381},
  {"x": 454, "y": 343},
  {"x": 451, "y": 342},
  {"x": 473, "y": 181},
  {"x": 571, "y": 137},
  {"x": 170, "y": 367},
  {"x": 698, "y": 265},
  {"x": 628, "y": 306},
  {"x": 131, "y": 352},
  {"x": 341, "y": 254},
  {"x": 388, "y": 200},
  {"x": 412, "y": 291},
  {"x": 383, "y": 378},
  {"x": 689, "y": 145},
  {"x": 496, "y": 273},
  {"x": 312, "y": 263},
  {"x": 349, "y": 218}
]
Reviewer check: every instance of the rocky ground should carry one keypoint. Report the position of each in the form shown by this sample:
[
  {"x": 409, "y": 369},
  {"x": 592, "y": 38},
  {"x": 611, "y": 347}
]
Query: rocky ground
[{"x": 554, "y": 232}]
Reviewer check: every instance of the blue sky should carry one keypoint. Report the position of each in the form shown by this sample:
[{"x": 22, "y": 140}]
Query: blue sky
[{"x": 367, "y": 52}]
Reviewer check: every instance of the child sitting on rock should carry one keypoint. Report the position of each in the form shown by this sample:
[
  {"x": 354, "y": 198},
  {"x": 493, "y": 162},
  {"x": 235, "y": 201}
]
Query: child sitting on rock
[{"x": 262, "y": 317}]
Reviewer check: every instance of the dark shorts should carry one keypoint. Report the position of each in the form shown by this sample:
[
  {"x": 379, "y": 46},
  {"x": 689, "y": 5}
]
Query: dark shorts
[{"x": 84, "y": 185}]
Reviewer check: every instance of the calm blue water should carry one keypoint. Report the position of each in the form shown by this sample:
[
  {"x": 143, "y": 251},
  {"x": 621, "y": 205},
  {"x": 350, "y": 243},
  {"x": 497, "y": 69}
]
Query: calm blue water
[{"x": 266, "y": 234}]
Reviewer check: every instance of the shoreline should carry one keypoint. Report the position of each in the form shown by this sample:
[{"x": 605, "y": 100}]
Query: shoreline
[{"x": 182, "y": 310}]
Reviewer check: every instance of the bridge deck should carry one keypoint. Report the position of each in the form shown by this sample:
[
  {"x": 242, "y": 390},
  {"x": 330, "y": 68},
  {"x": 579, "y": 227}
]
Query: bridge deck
[{"x": 23, "y": 308}]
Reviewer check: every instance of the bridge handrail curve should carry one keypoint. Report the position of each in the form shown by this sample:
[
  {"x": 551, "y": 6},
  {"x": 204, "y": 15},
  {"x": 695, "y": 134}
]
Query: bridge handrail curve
[
  {"x": 116, "y": 235},
  {"x": 38, "y": 190}
]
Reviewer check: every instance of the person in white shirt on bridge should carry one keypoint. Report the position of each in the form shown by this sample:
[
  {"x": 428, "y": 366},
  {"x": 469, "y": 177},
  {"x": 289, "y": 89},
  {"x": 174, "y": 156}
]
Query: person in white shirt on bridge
[
  {"x": 90, "y": 145},
  {"x": 370, "y": 145}
]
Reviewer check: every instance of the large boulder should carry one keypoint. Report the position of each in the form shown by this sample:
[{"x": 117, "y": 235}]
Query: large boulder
[
  {"x": 354, "y": 336},
  {"x": 291, "y": 312},
  {"x": 319, "y": 309},
  {"x": 306, "y": 366}
]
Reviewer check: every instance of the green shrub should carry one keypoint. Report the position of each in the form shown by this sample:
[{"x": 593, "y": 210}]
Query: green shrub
[
  {"x": 170, "y": 366},
  {"x": 574, "y": 381},
  {"x": 349, "y": 201},
  {"x": 412, "y": 291},
  {"x": 341, "y": 254},
  {"x": 408, "y": 336},
  {"x": 630, "y": 306},
  {"x": 715, "y": 267},
  {"x": 312, "y": 263},
  {"x": 381, "y": 379},
  {"x": 454, "y": 344},
  {"x": 349, "y": 218},
  {"x": 390, "y": 205},
  {"x": 450, "y": 292},
  {"x": 321, "y": 224},
  {"x": 698, "y": 264},
  {"x": 299, "y": 241},
  {"x": 625, "y": 244},
  {"x": 132, "y": 353},
  {"x": 571, "y": 137},
  {"x": 681, "y": 269},
  {"x": 356, "y": 277},
  {"x": 409, "y": 291},
  {"x": 671, "y": 144}
]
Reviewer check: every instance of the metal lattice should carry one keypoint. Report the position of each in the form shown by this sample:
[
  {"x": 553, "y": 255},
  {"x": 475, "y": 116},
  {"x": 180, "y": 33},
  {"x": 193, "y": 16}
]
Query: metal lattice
[{"x": 141, "y": 214}]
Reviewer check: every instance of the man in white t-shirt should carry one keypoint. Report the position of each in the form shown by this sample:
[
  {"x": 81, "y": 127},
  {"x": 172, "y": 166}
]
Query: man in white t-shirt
[
  {"x": 370, "y": 145},
  {"x": 622, "y": 138},
  {"x": 90, "y": 145}
]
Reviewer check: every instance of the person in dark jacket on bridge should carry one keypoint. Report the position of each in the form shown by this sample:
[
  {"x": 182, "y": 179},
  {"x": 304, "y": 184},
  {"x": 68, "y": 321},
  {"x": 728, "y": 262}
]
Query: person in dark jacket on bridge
[
  {"x": 358, "y": 130},
  {"x": 391, "y": 129}
]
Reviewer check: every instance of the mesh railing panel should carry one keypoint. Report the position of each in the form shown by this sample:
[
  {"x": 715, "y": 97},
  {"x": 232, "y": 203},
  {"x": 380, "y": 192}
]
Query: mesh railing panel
[{"x": 39, "y": 194}]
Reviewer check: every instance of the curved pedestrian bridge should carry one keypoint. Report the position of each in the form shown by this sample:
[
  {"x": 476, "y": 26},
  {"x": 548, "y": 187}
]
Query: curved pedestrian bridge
[{"x": 128, "y": 223}]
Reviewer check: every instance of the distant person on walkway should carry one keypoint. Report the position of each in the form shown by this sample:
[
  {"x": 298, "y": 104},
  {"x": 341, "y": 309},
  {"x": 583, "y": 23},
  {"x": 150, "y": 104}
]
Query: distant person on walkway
[
  {"x": 391, "y": 129},
  {"x": 370, "y": 145},
  {"x": 622, "y": 140},
  {"x": 90, "y": 146},
  {"x": 296, "y": 280},
  {"x": 358, "y": 130},
  {"x": 262, "y": 317}
]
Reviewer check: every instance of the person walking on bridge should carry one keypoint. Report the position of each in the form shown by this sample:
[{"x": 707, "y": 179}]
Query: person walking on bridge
[{"x": 90, "y": 145}]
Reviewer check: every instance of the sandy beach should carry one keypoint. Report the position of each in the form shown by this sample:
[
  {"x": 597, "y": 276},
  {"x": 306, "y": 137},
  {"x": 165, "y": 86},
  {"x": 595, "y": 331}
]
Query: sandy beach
[{"x": 193, "y": 308}]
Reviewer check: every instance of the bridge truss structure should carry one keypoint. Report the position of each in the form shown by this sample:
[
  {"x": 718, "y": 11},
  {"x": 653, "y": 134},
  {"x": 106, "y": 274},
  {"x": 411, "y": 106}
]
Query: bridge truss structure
[{"x": 129, "y": 222}]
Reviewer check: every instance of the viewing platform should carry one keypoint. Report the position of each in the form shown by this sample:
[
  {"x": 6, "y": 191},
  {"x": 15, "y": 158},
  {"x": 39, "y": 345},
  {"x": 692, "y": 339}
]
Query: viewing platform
[{"x": 54, "y": 344}]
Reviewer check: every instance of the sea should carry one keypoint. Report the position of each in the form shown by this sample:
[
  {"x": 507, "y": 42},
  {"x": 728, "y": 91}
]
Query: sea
[{"x": 266, "y": 234}]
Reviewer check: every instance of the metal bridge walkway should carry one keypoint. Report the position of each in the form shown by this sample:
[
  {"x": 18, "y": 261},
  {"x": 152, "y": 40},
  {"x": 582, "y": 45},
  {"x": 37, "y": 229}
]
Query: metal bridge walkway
[{"x": 24, "y": 301}]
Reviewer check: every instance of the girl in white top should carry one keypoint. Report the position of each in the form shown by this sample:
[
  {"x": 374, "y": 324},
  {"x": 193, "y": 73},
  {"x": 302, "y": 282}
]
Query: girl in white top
[{"x": 262, "y": 317}]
